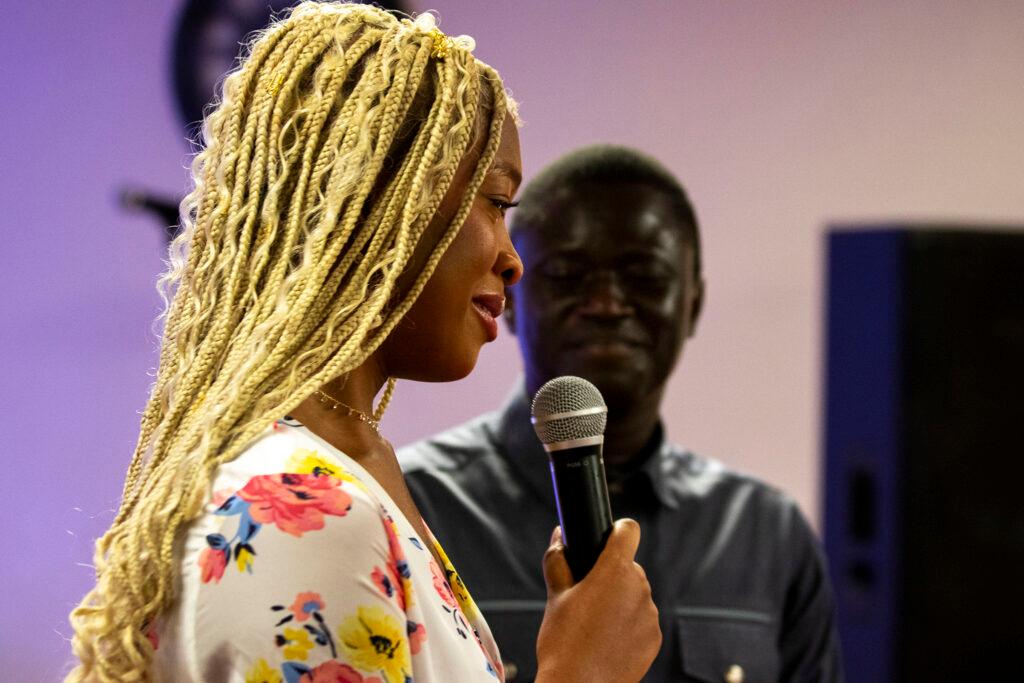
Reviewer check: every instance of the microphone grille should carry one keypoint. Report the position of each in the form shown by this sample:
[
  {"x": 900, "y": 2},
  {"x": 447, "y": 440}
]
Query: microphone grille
[{"x": 568, "y": 408}]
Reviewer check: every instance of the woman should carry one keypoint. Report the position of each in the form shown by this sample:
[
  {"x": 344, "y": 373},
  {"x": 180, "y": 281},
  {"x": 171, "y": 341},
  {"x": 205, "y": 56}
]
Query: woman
[{"x": 346, "y": 229}]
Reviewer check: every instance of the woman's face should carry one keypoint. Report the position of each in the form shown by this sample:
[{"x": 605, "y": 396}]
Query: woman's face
[{"x": 455, "y": 315}]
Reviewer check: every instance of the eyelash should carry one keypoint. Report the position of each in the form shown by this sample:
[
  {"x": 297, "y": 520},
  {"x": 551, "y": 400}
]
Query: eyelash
[{"x": 502, "y": 205}]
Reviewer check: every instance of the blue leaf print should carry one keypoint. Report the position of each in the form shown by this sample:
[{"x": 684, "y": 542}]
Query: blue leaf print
[
  {"x": 293, "y": 671},
  {"x": 233, "y": 506},
  {"x": 217, "y": 542},
  {"x": 247, "y": 528}
]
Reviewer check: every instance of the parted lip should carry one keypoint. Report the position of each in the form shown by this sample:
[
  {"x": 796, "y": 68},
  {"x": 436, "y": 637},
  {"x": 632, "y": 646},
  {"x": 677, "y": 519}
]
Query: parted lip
[{"x": 492, "y": 303}]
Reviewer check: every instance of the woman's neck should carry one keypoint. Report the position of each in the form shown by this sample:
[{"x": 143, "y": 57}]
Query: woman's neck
[
  {"x": 359, "y": 440},
  {"x": 340, "y": 412}
]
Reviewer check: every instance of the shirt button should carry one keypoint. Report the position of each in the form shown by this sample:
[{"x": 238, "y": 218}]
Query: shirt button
[
  {"x": 734, "y": 674},
  {"x": 511, "y": 671}
]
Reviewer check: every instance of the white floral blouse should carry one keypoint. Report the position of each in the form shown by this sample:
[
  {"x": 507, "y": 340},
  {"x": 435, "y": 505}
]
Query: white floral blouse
[{"x": 304, "y": 569}]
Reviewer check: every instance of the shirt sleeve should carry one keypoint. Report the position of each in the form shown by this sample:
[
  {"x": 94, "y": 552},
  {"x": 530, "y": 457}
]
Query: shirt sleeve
[
  {"x": 302, "y": 573},
  {"x": 808, "y": 642}
]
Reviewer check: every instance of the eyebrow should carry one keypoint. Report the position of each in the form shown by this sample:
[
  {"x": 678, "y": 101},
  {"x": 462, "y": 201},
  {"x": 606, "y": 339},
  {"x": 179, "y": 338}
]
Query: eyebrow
[{"x": 506, "y": 169}]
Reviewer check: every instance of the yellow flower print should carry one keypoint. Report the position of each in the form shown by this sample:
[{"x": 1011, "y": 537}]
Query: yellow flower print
[
  {"x": 466, "y": 602},
  {"x": 374, "y": 641},
  {"x": 299, "y": 644},
  {"x": 305, "y": 461},
  {"x": 244, "y": 559},
  {"x": 261, "y": 672}
]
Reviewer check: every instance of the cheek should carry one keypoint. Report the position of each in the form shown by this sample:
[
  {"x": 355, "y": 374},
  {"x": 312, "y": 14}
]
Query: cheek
[
  {"x": 453, "y": 272},
  {"x": 666, "y": 302},
  {"x": 473, "y": 250},
  {"x": 436, "y": 303},
  {"x": 664, "y": 315}
]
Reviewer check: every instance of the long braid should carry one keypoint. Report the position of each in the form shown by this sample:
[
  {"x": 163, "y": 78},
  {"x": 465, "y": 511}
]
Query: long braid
[
  {"x": 286, "y": 273},
  {"x": 198, "y": 202}
]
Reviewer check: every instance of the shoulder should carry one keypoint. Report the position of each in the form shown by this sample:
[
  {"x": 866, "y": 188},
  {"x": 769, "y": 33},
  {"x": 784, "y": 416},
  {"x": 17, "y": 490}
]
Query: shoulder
[
  {"x": 290, "y": 481},
  {"x": 461, "y": 474},
  {"x": 282, "y": 447},
  {"x": 303, "y": 523},
  {"x": 715, "y": 485},
  {"x": 453, "y": 449},
  {"x": 290, "y": 522}
]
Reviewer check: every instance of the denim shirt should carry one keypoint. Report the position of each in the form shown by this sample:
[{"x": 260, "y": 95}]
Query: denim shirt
[{"x": 735, "y": 570}]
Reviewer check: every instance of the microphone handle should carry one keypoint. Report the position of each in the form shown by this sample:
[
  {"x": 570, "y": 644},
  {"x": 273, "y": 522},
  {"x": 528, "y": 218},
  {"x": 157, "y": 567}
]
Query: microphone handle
[{"x": 584, "y": 511}]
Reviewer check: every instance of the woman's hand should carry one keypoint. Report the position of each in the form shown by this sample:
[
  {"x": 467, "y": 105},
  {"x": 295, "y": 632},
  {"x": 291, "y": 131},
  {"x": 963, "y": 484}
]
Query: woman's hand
[{"x": 604, "y": 628}]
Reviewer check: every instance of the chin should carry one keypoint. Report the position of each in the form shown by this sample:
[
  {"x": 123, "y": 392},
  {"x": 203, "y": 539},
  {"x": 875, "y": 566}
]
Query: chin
[
  {"x": 619, "y": 386},
  {"x": 618, "y": 390},
  {"x": 455, "y": 374}
]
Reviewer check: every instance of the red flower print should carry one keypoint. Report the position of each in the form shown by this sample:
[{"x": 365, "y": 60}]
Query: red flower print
[
  {"x": 398, "y": 562},
  {"x": 442, "y": 587},
  {"x": 397, "y": 554},
  {"x": 305, "y": 604},
  {"x": 397, "y": 566},
  {"x": 295, "y": 502},
  {"x": 219, "y": 497},
  {"x": 417, "y": 634},
  {"x": 335, "y": 672},
  {"x": 385, "y": 584},
  {"x": 212, "y": 563}
]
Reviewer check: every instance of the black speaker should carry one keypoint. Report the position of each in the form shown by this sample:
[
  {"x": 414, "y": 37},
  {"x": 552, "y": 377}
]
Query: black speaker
[{"x": 924, "y": 441}]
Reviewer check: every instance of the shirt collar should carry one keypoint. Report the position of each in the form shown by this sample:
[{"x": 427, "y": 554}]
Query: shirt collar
[
  {"x": 519, "y": 445},
  {"x": 653, "y": 468}
]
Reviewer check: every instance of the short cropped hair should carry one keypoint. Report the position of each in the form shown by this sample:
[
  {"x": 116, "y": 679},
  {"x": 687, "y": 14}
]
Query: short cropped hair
[{"x": 606, "y": 164}]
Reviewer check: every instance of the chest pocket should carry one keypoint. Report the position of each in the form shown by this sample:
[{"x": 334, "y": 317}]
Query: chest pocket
[
  {"x": 726, "y": 646},
  {"x": 514, "y": 625}
]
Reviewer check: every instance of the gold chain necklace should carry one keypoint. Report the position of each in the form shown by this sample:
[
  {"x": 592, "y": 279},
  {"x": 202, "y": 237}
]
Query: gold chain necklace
[{"x": 349, "y": 410}]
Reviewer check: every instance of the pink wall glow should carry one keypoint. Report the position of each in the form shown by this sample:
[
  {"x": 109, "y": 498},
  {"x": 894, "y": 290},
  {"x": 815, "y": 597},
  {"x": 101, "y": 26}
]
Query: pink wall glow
[{"x": 778, "y": 117}]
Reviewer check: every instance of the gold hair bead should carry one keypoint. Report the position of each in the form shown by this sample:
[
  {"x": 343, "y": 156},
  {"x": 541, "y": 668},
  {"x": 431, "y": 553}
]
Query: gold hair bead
[
  {"x": 275, "y": 85},
  {"x": 442, "y": 44}
]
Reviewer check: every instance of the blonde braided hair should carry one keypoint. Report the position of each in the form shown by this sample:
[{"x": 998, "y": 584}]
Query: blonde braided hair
[{"x": 329, "y": 154}]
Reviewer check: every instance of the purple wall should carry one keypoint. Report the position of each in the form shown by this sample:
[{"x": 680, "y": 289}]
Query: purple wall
[
  {"x": 86, "y": 109},
  {"x": 777, "y": 118}
]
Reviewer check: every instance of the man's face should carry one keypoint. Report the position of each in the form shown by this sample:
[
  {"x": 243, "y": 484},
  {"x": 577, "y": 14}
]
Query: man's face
[{"x": 609, "y": 291}]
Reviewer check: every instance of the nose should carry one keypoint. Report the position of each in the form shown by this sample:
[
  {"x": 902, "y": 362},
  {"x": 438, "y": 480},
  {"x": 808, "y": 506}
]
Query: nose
[
  {"x": 603, "y": 297},
  {"x": 508, "y": 265}
]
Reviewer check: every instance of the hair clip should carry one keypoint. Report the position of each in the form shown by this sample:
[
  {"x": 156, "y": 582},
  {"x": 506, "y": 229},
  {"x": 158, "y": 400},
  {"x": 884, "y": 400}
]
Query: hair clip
[
  {"x": 443, "y": 44},
  {"x": 275, "y": 85}
]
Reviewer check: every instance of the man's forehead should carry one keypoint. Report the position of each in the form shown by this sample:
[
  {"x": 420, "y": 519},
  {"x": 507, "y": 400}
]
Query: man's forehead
[{"x": 590, "y": 213}]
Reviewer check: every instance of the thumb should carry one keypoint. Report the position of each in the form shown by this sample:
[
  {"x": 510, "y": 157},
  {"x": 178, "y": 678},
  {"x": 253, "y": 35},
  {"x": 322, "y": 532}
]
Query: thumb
[
  {"x": 624, "y": 539},
  {"x": 557, "y": 574}
]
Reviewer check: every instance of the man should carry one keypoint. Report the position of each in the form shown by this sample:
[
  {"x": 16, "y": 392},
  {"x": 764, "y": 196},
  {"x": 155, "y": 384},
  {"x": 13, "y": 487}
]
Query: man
[{"x": 612, "y": 290}]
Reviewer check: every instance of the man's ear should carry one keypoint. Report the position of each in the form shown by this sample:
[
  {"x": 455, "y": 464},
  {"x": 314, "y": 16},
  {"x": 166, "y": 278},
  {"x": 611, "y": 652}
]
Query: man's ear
[
  {"x": 510, "y": 312},
  {"x": 697, "y": 306}
]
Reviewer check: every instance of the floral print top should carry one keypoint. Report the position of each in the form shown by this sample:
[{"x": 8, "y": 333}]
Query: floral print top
[{"x": 304, "y": 569}]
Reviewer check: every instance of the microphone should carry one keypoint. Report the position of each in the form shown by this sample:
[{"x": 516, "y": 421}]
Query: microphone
[{"x": 569, "y": 416}]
